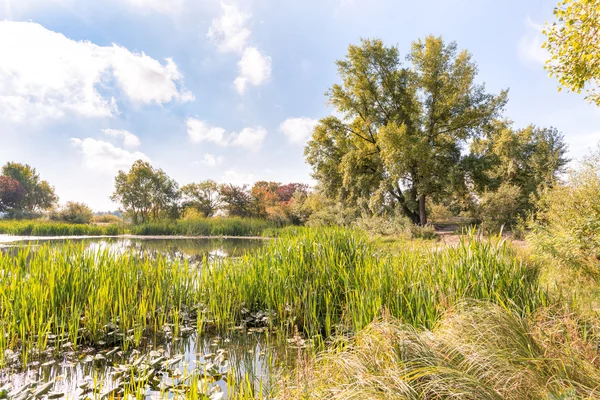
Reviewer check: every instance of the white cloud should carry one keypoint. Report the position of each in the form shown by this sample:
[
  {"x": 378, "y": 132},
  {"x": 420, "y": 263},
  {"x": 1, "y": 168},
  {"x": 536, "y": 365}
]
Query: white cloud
[
  {"x": 237, "y": 178},
  {"x": 254, "y": 69},
  {"x": 210, "y": 160},
  {"x": 160, "y": 6},
  {"x": 229, "y": 31},
  {"x": 200, "y": 131},
  {"x": 44, "y": 74},
  {"x": 298, "y": 130},
  {"x": 530, "y": 45},
  {"x": 103, "y": 156},
  {"x": 249, "y": 138},
  {"x": 129, "y": 139}
]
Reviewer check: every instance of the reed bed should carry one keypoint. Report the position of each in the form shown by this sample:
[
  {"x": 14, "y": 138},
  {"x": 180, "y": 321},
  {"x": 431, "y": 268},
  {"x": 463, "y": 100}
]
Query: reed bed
[
  {"x": 50, "y": 228},
  {"x": 53, "y": 295},
  {"x": 322, "y": 281},
  {"x": 477, "y": 350},
  {"x": 230, "y": 226}
]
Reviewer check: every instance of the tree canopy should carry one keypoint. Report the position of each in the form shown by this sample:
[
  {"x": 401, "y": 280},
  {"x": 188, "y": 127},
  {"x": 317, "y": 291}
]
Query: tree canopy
[
  {"x": 21, "y": 189},
  {"x": 572, "y": 41},
  {"x": 204, "y": 197},
  {"x": 401, "y": 130},
  {"x": 146, "y": 193}
]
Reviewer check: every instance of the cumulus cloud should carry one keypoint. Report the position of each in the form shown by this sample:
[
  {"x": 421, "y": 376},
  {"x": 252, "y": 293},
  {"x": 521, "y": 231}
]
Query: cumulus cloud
[
  {"x": 200, "y": 131},
  {"x": 530, "y": 45},
  {"x": 210, "y": 160},
  {"x": 44, "y": 74},
  {"x": 298, "y": 130},
  {"x": 249, "y": 138},
  {"x": 103, "y": 156},
  {"x": 128, "y": 138},
  {"x": 229, "y": 31},
  {"x": 254, "y": 69}
]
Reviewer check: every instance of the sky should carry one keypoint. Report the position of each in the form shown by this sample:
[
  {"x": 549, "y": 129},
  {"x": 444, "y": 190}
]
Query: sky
[{"x": 231, "y": 90}]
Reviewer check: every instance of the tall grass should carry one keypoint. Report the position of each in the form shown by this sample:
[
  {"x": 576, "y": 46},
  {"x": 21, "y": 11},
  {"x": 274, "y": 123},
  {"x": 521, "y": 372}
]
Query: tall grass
[
  {"x": 476, "y": 351},
  {"x": 326, "y": 280},
  {"x": 50, "y": 228},
  {"x": 230, "y": 226},
  {"x": 54, "y": 294}
]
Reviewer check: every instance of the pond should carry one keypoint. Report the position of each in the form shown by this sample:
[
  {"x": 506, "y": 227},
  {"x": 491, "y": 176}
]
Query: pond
[{"x": 158, "y": 368}]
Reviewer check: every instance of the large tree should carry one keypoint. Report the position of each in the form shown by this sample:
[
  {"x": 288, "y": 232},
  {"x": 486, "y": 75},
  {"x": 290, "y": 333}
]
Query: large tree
[
  {"x": 573, "y": 44},
  {"x": 237, "y": 201},
  {"x": 400, "y": 130},
  {"x": 529, "y": 159},
  {"x": 204, "y": 197},
  {"x": 146, "y": 193},
  {"x": 36, "y": 194}
]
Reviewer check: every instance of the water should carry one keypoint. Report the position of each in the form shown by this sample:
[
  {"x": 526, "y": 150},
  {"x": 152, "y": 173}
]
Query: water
[{"x": 77, "y": 370}]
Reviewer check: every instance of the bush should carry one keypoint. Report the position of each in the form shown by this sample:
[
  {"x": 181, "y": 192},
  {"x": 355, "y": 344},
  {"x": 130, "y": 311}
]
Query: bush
[
  {"x": 500, "y": 208},
  {"x": 107, "y": 219},
  {"x": 74, "y": 213},
  {"x": 567, "y": 225}
]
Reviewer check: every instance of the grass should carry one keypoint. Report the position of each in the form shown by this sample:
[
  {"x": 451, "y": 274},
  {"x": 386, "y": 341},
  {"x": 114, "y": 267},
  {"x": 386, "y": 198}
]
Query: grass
[
  {"x": 476, "y": 351},
  {"x": 323, "y": 281},
  {"x": 231, "y": 226},
  {"x": 50, "y": 228},
  {"x": 52, "y": 294}
]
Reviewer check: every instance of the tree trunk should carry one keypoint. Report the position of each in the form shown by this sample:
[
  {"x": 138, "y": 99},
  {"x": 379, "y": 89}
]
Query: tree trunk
[{"x": 422, "y": 211}]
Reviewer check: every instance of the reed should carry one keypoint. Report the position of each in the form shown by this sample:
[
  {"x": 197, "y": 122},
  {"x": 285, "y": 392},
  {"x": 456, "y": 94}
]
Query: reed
[
  {"x": 50, "y": 228},
  {"x": 323, "y": 281},
  {"x": 53, "y": 295},
  {"x": 230, "y": 226}
]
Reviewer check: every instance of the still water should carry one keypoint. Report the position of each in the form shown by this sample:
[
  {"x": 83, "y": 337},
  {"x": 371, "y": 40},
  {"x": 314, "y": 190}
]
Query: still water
[{"x": 81, "y": 372}]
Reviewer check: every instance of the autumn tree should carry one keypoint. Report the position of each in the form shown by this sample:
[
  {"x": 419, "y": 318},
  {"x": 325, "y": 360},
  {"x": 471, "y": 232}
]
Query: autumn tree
[
  {"x": 34, "y": 194},
  {"x": 11, "y": 193},
  {"x": 572, "y": 41},
  {"x": 146, "y": 193},
  {"x": 237, "y": 201},
  {"x": 204, "y": 197},
  {"x": 400, "y": 130}
]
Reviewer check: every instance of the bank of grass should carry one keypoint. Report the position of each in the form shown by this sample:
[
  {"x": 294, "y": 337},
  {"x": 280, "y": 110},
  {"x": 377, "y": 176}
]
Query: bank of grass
[
  {"x": 230, "y": 226},
  {"x": 49, "y": 295},
  {"x": 51, "y": 228},
  {"x": 328, "y": 280},
  {"x": 477, "y": 350}
]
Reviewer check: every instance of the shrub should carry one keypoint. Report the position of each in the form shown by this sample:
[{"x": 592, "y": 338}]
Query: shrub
[
  {"x": 500, "y": 208},
  {"x": 107, "y": 219},
  {"x": 73, "y": 212},
  {"x": 567, "y": 226}
]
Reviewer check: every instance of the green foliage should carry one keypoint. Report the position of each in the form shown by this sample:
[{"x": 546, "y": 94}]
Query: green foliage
[
  {"x": 203, "y": 197},
  {"x": 499, "y": 209},
  {"x": 145, "y": 193},
  {"x": 400, "y": 138},
  {"x": 529, "y": 159},
  {"x": 49, "y": 228},
  {"x": 73, "y": 212},
  {"x": 477, "y": 351},
  {"x": 237, "y": 200},
  {"x": 107, "y": 219},
  {"x": 229, "y": 226},
  {"x": 568, "y": 221},
  {"x": 394, "y": 225},
  {"x": 572, "y": 41},
  {"x": 33, "y": 194},
  {"x": 326, "y": 280}
]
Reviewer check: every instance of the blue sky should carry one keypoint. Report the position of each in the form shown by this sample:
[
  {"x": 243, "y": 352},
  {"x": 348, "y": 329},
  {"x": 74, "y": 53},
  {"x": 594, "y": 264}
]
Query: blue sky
[{"x": 230, "y": 90}]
